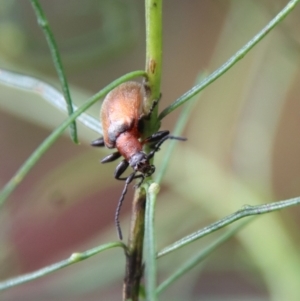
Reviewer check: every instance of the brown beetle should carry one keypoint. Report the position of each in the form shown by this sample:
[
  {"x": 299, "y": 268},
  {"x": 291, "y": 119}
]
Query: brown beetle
[{"x": 122, "y": 119}]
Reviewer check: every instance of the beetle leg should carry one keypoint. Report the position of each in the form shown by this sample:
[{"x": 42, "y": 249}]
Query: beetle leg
[
  {"x": 147, "y": 115},
  {"x": 121, "y": 167},
  {"x": 98, "y": 142},
  {"x": 141, "y": 181},
  {"x": 157, "y": 145},
  {"x": 154, "y": 104},
  {"x": 111, "y": 157},
  {"x": 156, "y": 137}
]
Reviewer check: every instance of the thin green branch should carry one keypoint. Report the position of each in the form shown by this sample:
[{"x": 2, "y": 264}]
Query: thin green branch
[
  {"x": 200, "y": 257},
  {"x": 47, "y": 92},
  {"x": 45, "y": 145},
  {"x": 44, "y": 24},
  {"x": 180, "y": 124},
  {"x": 150, "y": 245},
  {"x": 246, "y": 211},
  {"x": 74, "y": 258},
  {"x": 232, "y": 61}
]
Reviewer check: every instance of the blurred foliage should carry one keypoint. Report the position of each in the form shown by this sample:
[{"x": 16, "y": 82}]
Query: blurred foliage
[{"x": 243, "y": 147}]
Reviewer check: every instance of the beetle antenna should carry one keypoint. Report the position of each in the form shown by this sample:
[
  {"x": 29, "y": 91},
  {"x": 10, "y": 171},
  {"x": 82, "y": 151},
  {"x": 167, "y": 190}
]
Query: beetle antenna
[{"x": 117, "y": 214}]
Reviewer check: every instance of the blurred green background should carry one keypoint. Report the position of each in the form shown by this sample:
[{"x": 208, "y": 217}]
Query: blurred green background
[{"x": 243, "y": 148}]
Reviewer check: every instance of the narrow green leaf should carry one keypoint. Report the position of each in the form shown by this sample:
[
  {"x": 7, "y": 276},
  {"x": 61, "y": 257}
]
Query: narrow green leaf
[
  {"x": 74, "y": 258},
  {"x": 43, "y": 22},
  {"x": 231, "y": 62},
  {"x": 200, "y": 257},
  {"x": 245, "y": 211},
  {"x": 46, "y": 144},
  {"x": 180, "y": 124},
  {"x": 47, "y": 92}
]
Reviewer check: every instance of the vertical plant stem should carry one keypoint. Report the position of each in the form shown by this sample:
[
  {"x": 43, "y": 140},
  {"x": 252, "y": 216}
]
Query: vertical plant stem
[
  {"x": 134, "y": 255},
  {"x": 44, "y": 24},
  {"x": 154, "y": 45},
  {"x": 150, "y": 245},
  {"x": 153, "y": 67}
]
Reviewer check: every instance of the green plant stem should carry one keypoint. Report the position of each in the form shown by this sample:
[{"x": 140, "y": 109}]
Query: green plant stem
[
  {"x": 154, "y": 45},
  {"x": 46, "y": 144},
  {"x": 74, "y": 258},
  {"x": 150, "y": 245},
  {"x": 200, "y": 257},
  {"x": 134, "y": 254},
  {"x": 232, "y": 61},
  {"x": 246, "y": 211},
  {"x": 134, "y": 257},
  {"x": 44, "y": 24},
  {"x": 153, "y": 10}
]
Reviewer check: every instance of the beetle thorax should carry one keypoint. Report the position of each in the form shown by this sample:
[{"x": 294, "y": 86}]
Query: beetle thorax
[{"x": 128, "y": 145}]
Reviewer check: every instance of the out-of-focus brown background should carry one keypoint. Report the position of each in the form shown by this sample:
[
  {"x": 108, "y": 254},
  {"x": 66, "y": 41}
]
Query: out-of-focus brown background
[{"x": 243, "y": 148}]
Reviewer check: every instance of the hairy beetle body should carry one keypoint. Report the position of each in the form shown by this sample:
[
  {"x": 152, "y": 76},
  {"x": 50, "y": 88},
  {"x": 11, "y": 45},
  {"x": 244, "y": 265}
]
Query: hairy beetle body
[
  {"x": 121, "y": 111},
  {"x": 122, "y": 119}
]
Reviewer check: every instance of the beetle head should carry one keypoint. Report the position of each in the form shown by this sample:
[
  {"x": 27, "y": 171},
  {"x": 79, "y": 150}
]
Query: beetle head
[{"x": 140, "y": 162}]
